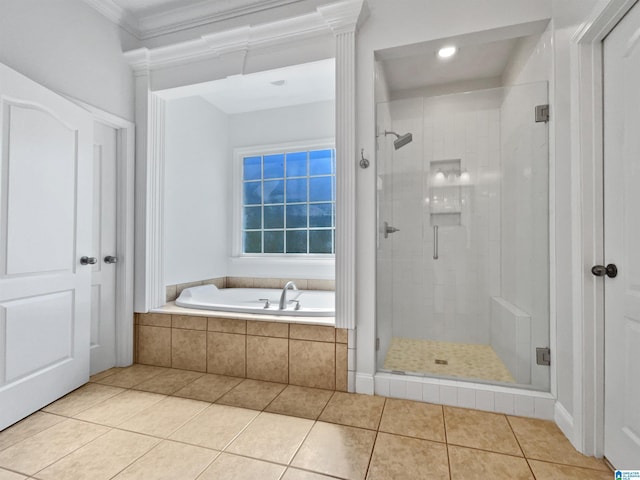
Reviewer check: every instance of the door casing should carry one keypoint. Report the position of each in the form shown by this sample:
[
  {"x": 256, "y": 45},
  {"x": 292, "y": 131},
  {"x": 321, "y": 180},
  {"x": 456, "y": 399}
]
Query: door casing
[
  {"x": 586, "y": 431},
  {"x": 125, "y": 168}
]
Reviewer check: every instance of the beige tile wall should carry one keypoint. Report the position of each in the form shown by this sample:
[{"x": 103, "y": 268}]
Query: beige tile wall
[
  {"x": 305, "y": 355},
  {"x": 173, "y": 291}
]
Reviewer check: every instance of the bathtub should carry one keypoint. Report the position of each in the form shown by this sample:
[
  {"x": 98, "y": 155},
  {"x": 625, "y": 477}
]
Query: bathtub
[{"x": 313, "y": 303}]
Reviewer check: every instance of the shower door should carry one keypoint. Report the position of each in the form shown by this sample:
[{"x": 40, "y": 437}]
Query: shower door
[{"x": 463, "y": 242}]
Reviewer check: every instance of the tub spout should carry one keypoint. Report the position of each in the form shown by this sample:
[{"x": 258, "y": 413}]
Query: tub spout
[{"x": 283, "y": 297}]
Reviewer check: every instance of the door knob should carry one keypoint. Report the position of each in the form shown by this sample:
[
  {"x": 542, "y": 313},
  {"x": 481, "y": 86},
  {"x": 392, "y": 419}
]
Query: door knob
[
  {"x": 88, "y": 260},
  {"x": 610, "y": 270},
  {"x": 110, "y": 259}
]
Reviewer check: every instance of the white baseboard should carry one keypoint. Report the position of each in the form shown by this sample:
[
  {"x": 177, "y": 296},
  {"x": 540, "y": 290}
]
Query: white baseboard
[
  {"x": 564, "y": 420},
  {"x": 364, "y": 383}
]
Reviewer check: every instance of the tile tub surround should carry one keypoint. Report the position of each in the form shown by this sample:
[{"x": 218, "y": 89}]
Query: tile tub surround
[
  {"x": 174, "y": 291},
  {"x": 284, "y": 353},
  {"x": 102, "y": 432}
]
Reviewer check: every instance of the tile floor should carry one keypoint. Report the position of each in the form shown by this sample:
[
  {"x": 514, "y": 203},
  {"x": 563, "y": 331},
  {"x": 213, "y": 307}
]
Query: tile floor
[
  {"x": 157, "y": 423},
  {"x": 464, "y": 360}
]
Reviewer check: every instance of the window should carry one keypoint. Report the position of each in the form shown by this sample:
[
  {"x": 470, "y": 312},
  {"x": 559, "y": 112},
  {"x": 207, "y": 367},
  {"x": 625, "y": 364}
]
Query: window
[{"x": 288, "y": 201}]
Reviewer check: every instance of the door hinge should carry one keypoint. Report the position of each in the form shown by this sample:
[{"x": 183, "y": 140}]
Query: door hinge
[
  {"x": 543, "y": 356},
  {"x": 377, "y": 344},
  {"x": 542, "y": 113}
]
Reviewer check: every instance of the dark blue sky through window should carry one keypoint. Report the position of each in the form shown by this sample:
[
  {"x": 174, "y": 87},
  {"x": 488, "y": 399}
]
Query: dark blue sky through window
[{"x": 288, "y": 202}]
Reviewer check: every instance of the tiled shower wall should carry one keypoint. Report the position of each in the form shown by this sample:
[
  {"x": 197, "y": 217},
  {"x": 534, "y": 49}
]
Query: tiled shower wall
[{"x": 445, "y": 299}]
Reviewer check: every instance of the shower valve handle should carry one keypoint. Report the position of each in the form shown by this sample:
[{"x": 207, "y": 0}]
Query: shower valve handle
[{"x": 389, "y": 229}]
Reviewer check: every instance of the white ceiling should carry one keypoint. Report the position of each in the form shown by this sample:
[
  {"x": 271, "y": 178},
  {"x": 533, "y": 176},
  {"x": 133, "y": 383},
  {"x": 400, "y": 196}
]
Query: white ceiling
[
  {"x": 305, "y": 83},
  {"x": 419, "y": 66}
]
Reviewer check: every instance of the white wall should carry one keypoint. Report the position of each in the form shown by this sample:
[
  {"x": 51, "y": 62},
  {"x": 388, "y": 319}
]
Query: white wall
[
  {"x": 197, "y": 169},
  {"x": 281, "y": 125},
  {"x": 70, "y": 48},
  {"x": 312, "y": 121},
  {"x": 531, "y": 61},
  {"x": 200, "y": 141}
]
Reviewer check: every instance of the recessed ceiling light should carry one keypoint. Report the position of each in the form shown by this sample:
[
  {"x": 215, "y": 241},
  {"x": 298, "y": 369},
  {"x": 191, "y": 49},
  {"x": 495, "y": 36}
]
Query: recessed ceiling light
[
  {"x": 446, "y": 52},
  {"x": 279, "y": 83}
]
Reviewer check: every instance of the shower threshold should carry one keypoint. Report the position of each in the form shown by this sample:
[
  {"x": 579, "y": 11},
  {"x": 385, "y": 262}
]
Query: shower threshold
[{"x": 469, "y": 361}]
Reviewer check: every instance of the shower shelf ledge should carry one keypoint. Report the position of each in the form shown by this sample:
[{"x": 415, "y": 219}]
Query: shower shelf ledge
[{"x": 446, "y": 212}]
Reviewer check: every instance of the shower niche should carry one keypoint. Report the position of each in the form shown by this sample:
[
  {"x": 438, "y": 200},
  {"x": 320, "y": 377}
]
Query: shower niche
[
  {"x": 445, "y": 192},
  {"x": 463, "y": 284}
]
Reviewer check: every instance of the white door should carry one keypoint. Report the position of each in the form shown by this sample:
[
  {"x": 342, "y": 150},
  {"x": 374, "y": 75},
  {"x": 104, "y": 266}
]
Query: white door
[
  {"x": 45, "y": 228},
  {"x": 103, "y": 276},
  {"x": 622, "y": 241}
]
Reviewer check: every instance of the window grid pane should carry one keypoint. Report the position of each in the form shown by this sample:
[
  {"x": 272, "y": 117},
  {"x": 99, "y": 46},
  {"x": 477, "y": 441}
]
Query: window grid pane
[{"x": 285, "y": 184}]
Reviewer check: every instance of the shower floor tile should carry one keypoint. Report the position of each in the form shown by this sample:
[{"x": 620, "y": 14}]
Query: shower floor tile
[{"x": 445, "y": 358}]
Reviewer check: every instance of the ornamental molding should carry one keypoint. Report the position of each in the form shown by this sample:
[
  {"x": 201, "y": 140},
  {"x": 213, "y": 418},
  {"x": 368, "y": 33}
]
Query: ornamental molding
[
  {"x": 151, "y": 25},
  {"x": 201, "y": 13},
  {"x": 326, "y": 20}
]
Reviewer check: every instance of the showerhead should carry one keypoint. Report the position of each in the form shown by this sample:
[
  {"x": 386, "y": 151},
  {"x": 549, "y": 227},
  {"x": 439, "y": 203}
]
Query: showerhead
[{"x": 401, "y": 140}]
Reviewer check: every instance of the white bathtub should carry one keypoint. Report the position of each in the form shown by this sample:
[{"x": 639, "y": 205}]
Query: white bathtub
[{"x": 313, "y": 303}]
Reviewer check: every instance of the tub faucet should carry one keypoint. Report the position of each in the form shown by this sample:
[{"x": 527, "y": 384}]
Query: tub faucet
[{"x": 283, "y": 297}]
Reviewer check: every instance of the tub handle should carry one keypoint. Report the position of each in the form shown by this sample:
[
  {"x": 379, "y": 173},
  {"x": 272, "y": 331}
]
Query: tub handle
[
  {"x": 267, "y": 302},
  {"x": 297, "y": 302}
]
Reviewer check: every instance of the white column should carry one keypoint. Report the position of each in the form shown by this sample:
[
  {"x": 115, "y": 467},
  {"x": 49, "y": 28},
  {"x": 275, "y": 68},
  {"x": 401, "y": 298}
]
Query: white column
[
  {"x": 150, "y": 121},
  {"x": 342, "y": 19},
  {"x": 156, "y": 291},
  {"x": 345, "y": 181}
]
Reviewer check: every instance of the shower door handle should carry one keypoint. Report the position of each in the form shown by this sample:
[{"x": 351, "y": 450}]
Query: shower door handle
[{"x": 435, "y": 242}]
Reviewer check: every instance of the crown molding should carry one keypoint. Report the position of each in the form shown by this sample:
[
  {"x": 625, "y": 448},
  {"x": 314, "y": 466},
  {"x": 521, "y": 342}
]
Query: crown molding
[
  {"x": 201, "y": 13},
  {"x": 116, "y": 14},
  {"x": 344, "y": 17},
  {"x": 244, "y": 39},
  {"x": 341, "y": 16}
]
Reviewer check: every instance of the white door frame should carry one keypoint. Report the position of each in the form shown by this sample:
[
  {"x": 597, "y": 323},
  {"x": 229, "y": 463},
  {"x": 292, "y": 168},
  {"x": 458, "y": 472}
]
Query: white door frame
[
  {"x": 125, "y": 169},
  {"x": 588, "y": 228}
]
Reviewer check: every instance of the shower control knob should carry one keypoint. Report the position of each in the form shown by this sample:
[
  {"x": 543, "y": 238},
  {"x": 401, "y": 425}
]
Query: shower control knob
[
  {"x": 610, "y": 270},
  {"x": 388, "y": 229}
]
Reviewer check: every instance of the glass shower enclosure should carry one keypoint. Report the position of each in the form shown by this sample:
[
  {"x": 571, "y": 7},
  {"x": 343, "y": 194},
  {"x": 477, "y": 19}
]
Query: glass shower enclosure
[{"x": 463, "y": 236}]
